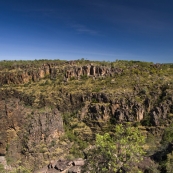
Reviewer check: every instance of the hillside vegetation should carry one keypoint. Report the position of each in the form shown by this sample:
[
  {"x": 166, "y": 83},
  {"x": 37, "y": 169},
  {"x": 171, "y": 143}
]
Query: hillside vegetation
[{"x": 53, "y": 109}]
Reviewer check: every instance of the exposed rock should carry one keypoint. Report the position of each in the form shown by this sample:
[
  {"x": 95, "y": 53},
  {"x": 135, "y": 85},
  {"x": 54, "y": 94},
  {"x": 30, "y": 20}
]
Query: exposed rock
[
  {"x": 63, "y": 166},
  {"x": 3, "y": 161},
  {"x": 21, "y": 75},
  {"x": 159, "y": 113},
  {"x": 78, "y": 162},
  {"x": 75, "y": 169},
  {"x": 22, "y": 129},
  {"x": 31, "y": 122}
]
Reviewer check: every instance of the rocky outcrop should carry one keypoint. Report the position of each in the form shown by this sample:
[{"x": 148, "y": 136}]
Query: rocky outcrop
[
  {"x": 31, "y": 123},
  {"x": 26, "y": 134},
  {"x": 103, "y": 109},
  {"x": 21, "y": 75},
  {"x": 160, "y": 112},
  {"x": 64, "y": 166},
  {"x": 91, "y": 70}
]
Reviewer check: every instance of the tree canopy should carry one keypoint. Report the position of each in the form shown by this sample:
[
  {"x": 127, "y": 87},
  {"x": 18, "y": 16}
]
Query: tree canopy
[{"x": 118, "y": 151}]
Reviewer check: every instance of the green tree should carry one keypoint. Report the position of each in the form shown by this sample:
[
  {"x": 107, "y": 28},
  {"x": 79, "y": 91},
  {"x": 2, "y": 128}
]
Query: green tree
[
  {"x": 169, "y": 163},
  {"x": 121, "y": 150},
  {"x": 168, "y": 135}
]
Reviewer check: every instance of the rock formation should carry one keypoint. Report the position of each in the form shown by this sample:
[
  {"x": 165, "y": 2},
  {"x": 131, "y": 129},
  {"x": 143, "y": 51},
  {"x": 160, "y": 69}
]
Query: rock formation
[{"x": 46, "y": 106}]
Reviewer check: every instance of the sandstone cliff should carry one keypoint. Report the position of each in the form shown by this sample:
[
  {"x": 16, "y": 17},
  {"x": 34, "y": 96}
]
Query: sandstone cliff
[{"x": 49, "y": 108}]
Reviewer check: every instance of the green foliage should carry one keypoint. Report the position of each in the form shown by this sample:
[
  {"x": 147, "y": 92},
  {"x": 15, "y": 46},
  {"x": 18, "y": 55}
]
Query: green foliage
[
  {"x": 21, "y": 169},
  {"x": 96, "y": 89},
  {"x": 78, "y": 143},
  {"x": 94, "y": 100},
  {"x": 84, "y": 77},
  {"x": 146, "y": 121},
  {"x": 169, "y": 163},
  {"x": 54, "y": 91},
  {"x": 72, "y": 78},
  {"x": 120, "y": 150},
  {"x": 2, "y": 170},
  {"x": 53, "y": 143},
  {"x": 168, "y": 135}
]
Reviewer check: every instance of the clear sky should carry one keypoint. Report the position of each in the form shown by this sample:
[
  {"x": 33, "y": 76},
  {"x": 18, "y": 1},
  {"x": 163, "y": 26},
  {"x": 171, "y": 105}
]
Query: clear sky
[{"x": 91, "y": 29}]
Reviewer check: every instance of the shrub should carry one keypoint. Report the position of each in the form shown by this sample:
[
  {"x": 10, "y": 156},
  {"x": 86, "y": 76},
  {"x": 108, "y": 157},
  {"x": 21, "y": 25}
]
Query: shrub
[{"x": 119, "y": 151}]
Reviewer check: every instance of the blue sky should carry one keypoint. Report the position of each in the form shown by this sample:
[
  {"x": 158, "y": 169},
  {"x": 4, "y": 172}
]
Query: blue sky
[{"x": 91, "y": 29}]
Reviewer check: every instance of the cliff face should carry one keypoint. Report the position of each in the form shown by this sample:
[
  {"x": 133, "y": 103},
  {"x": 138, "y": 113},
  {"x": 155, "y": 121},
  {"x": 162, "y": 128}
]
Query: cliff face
[
  {"x": 26, "y": 134},
  {"x": 25, "y": 74},
  {"x": 42, "y": 101}
]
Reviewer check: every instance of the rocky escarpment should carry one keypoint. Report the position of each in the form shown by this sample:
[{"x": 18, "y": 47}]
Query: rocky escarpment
[
  {"x": 28, "y": 135},
  {"x": 91, "y": 70},
  {"x": 104, "y": 107},
  {"x": 22, "y": 74},
  {"x": 49, "y": 110}
]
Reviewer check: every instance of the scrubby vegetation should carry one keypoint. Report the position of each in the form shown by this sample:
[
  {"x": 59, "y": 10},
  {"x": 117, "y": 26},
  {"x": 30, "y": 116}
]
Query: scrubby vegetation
[
  {"x": 92, "y": 98},
  {"x": 118, "y": 151}
]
